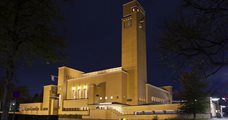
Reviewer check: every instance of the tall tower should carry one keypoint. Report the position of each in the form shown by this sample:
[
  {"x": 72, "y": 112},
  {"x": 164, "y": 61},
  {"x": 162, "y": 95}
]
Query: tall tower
[{"x": 134, "y": 51}]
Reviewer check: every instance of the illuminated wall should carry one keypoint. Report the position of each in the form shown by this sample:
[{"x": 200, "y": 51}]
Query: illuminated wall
[
  {"x": 49, "y": 106},
  {"x": 108, "y": 93},
  {"x": 155, "y": 95},
  {"x": 91, "y": 88},
  {"x": 134, "y": 51}
]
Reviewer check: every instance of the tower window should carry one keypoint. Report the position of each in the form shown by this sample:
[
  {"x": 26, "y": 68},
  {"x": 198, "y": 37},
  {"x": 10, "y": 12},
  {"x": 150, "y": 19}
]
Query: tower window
[
  {"x": 142, "y": 24},
  {"x": 135, "y": 8},
  {"x": 127, "y": 23}
]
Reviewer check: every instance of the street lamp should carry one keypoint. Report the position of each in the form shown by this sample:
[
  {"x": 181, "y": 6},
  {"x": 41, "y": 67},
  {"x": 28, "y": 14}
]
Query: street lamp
[{"x": 14, "y": 108}]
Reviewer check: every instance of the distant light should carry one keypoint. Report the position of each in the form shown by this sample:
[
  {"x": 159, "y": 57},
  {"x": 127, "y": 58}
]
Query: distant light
[
  {"x": 106, "y": 98},
  {"x": 100, "y": 98},
  {"x": 85, "y": 86},
  {"x": 107, "y": 103},
  {"x": 73, "y": 88},
  {"x": 215, "y": 99},
  {"x": 223, "y": 106},
  {"x": 111, "y": 97},
  {"x": 224, "y": 99},
  {"x": 79, "y": 87}
]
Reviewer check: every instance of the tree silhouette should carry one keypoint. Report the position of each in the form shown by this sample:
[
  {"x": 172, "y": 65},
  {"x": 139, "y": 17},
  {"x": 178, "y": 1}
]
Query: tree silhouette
[
  {"x": 26, "y": 35},
  {"x": 193, "y": 92},
  {"x": 198, "y": 37}
]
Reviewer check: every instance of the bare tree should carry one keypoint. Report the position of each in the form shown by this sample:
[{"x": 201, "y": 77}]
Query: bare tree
[
  {"x": 26, "y": 35},
  {"x": 198, "y": 37}
]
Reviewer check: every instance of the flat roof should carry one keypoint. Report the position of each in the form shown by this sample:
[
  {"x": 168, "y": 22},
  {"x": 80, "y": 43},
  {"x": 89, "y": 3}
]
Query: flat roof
[{"x": 100, "y": 72}]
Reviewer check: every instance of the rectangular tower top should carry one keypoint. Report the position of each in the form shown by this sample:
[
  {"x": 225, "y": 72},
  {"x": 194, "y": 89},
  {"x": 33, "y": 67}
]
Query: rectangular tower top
[{"x": 133, "y": 6}]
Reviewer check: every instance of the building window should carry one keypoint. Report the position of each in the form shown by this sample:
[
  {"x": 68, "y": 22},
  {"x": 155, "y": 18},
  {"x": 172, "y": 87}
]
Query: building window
[
  {"x": 73, "y": 92},
  {"x": 135, "y": 8},
  {"x": 142, "y": 24},
  {"x": 129, "y": 100},
  {"x": 79, "y": 92},
  {"x": 127, "y": 22},
  {"x": 73, "y": 89},
  {"x": 85, "y": 91},
  {"x": 82, "y": 93}
]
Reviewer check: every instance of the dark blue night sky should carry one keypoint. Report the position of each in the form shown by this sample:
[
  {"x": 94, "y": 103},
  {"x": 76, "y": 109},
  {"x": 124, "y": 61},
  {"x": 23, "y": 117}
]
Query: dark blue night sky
[{"x": 92, "y": 30}]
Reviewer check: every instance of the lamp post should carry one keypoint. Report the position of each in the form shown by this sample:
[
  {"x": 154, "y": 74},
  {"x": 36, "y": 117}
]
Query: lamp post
[
  {"x": 194, "y": 109},
  {"x": 14, "y": 107}
]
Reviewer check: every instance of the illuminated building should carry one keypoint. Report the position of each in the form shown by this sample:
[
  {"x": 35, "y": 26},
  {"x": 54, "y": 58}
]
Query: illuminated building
[{"x": 111, "y": 93}]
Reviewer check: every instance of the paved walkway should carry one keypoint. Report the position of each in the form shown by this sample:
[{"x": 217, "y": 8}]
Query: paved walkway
[{"x": 219, "y": 119}]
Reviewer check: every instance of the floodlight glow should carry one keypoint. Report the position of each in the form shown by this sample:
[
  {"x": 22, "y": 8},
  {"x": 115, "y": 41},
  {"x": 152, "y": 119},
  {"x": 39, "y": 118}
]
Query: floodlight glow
[
  {"x": 107, "y": 103},
  {"x": 85, "y": 86},
  {"x": 223, "y": 106},
  {"x": 79, "y": 87},
  {"x": 215, "y": 99},
  {"x": 73, "y": 88}
]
